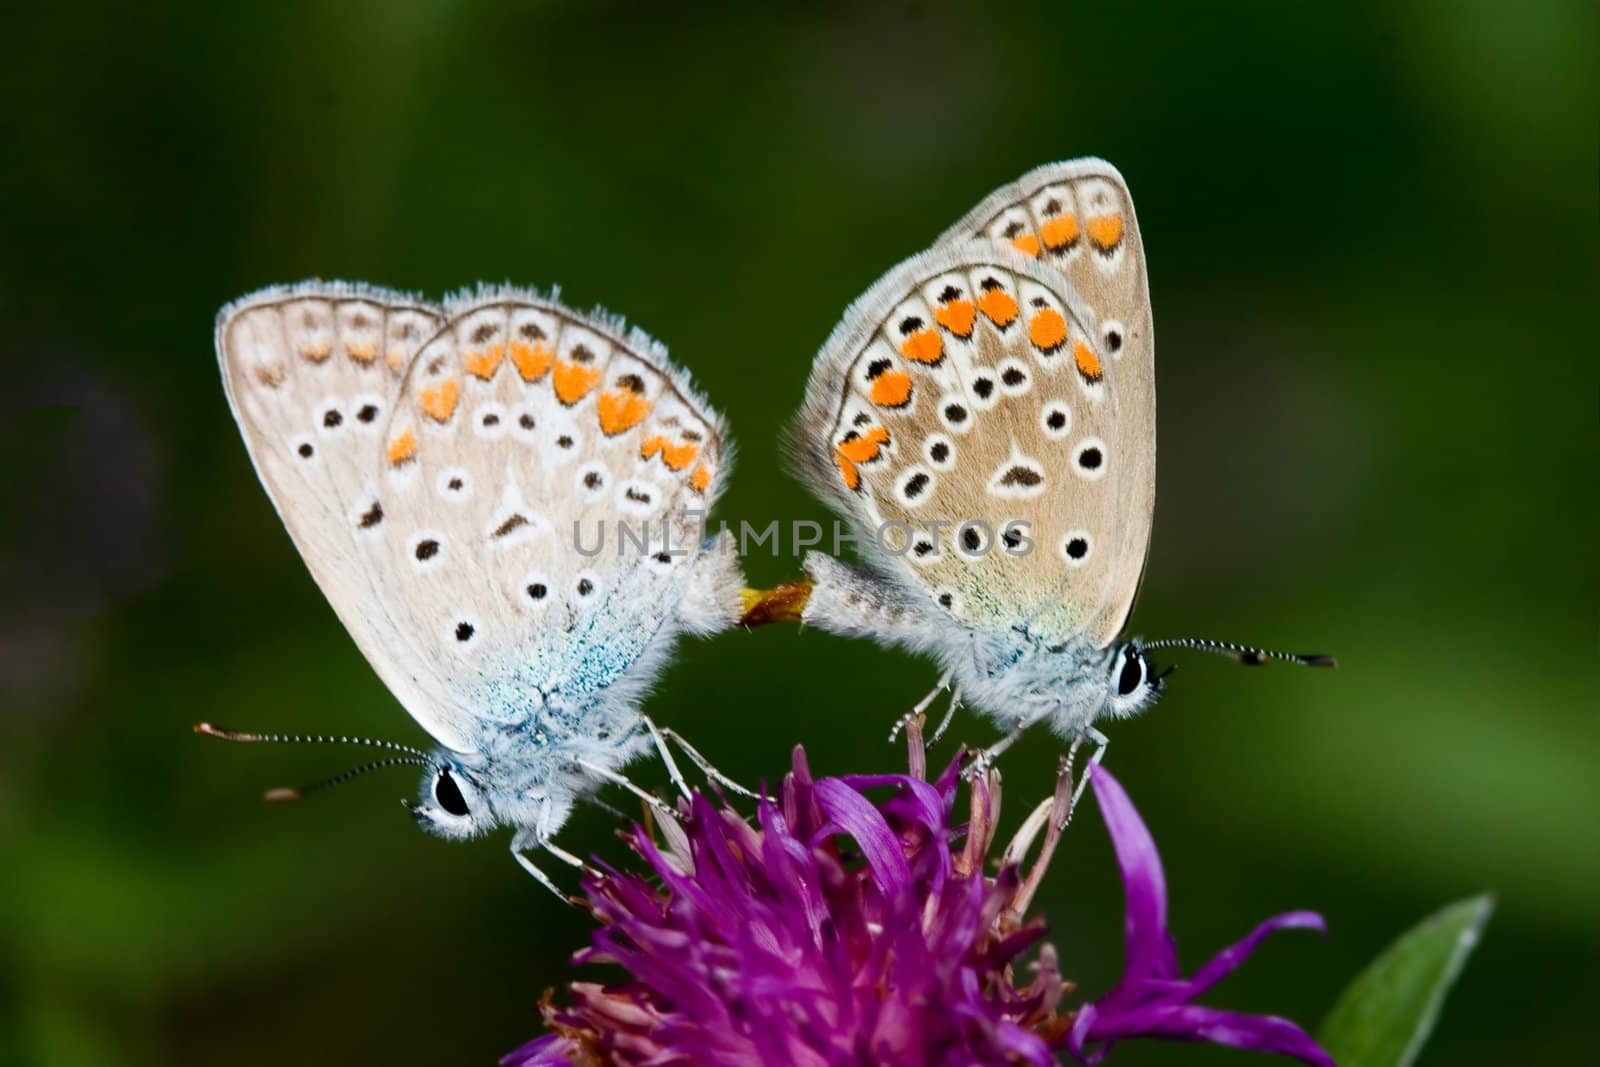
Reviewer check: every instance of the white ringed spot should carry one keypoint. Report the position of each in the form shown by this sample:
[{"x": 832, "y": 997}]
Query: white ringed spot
[
  {"x": 955, "y": 413},
  {"x": 1055, "y": 419},
  {"x": 453, "y": 484},
  {"x": 1076, "y": 547},
  {"x": 1089, "y": 458},
  {"x": 915, "y": 487},
  {"x": 489, "y": 421},
  {"x": 973, "y": 539},
  {"x": 523, "y": 422},
  {"x": 1114, "y": 336},
  {"x": 1015, "y": 378},
  {"x": 939, "y": 451},
  {"x": 592, "y": 481}
]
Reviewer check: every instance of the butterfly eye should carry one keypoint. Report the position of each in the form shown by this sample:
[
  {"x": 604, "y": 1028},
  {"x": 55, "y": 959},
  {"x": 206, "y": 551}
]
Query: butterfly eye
[
  {"x": 448, "y": 794},
  {"x": 1132, "y": 674}
]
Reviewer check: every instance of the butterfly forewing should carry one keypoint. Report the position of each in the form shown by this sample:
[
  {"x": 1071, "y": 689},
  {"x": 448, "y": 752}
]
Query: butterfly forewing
[
  {"x": 961, "y": 415},
  {"x": 1078, "y": 217},
  {"x": 312, "y": 373}
]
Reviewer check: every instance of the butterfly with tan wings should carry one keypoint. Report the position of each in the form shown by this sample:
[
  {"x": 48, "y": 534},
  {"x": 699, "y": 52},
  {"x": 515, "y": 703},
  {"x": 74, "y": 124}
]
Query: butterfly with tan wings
[
  {"x": 440, "y": 469},
  {"x": 984, "y": 416}
]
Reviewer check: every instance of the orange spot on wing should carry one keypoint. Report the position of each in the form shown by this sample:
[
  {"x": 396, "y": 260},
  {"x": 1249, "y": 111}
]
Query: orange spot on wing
[
  {"x": 439, "y": 403},
  {"x": 891, "y": 389},
  {"x": 1027, "y": 244},
  {"x": 316, "y": 352},
  {"x": 1088, "y": 363},
  {"x": 924, "y": 346},
  {"x": 622, "y": 410},
  {"x": 1048, "y": 329},
  {"x": 1106, "y": 231},
  {"x": 483, "y": 364},
  {"x": 700, "y": 479},
  {"x": 531, "y": 361},
  {"x": 363, "y": 352},
  {"x": 675, "y": 456},
  {"x": 1060, "y": 231},
  {"x": 847, "y": 469},
  {"x": 957, "y": 317},
  {"x": 679, "y": 456},
  {"x": 574, "y": 381},
  {"x": 999, "y": 305},
  {"x": 403, "y": 449},
  {"x": 865, "y": 447},
  {"x": 396, "y": 358}
]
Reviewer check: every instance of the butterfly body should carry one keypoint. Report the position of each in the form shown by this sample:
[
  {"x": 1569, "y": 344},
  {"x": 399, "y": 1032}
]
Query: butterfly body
[
  {"x": 441, "y": 469},
  {"x": 1017, "y": 675}
]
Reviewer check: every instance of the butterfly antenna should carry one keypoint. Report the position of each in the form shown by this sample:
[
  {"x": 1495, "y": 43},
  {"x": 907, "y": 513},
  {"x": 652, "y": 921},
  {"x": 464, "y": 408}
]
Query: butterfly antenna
[
  {"x": 284, "y": 796},
  {"x": 1250, "y": 657},
  {"x": 208, "y": 730}
]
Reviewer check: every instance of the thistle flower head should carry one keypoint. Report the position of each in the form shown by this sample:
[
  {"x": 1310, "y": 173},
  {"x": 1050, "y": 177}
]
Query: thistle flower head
[{"x": 856, "y": 922}]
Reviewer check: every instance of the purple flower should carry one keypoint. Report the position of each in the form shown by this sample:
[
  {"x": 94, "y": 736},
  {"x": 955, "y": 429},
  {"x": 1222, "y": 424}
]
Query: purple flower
[{"x": 854, "y": 923}]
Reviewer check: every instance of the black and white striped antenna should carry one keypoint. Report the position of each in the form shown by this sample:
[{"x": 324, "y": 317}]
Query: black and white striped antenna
[
  {"x": 409, "y": 757},
  {"x": 1245, "y": 654}
]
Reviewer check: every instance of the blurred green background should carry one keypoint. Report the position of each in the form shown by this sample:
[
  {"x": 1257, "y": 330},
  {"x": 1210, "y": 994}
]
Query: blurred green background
[{"x": 1371, "y": 234}]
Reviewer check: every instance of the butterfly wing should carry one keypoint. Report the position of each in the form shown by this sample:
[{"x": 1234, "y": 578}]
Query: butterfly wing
[
  {"x": 1078, "y": 216},
  {"x": 964, "y": 416},
  {"x": 545, "y": 475},
  {"x": 429, "y": 462},
  {"x": 312, "y": 373}
]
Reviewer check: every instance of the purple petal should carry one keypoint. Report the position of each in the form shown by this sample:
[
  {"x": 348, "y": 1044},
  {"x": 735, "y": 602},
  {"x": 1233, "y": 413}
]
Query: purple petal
[
  {"x": 1190, "y": 1022},
  {"x": 1149, "y": 946},
  {"x": 551, "y": 1050},
  {"x": 931, "y": 809},
  {"x": 1228, "y": 960},
  {"x": 855, "y": 815}
]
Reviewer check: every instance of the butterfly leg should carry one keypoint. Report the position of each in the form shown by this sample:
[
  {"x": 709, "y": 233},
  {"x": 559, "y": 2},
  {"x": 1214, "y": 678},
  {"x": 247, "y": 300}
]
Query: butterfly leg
[
  {"x": 1100, "y": 741},
  {"x": 705, "y": 765},
  {"x": 563, "y": 855},
  {"x": 949, "y": 716},
  {"x": 666, "y": 756},
  {"x": 615, "y": 778},
  {"x": 921, "y": 706},
  {"x": 986, "y": 758},
  {"x": 523, "y": 840}
]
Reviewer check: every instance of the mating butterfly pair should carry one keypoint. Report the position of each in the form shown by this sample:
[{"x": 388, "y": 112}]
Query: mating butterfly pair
[{"x": 984, "y": 416}]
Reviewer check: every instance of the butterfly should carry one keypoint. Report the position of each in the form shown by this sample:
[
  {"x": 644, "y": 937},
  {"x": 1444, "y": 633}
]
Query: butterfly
[
  {"x": 984, "y": 416},
  {"x": 446, "y": 471}
]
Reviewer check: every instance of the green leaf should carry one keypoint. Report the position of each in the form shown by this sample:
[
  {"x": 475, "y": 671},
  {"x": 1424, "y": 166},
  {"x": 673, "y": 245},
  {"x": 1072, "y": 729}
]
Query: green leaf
[{"x": 1384, "y": 1017}]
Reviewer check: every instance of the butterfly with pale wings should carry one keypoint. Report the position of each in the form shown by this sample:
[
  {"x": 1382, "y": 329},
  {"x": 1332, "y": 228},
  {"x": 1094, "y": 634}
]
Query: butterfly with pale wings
[
  {"x": 984, "y": 415},
  {"x": 440, "y": 469}
]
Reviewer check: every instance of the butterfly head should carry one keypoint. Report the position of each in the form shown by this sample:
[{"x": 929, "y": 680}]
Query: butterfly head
[
  {"x": 462, "y": 796},
  {"x": 1131, "y": 682},
  {"x": 451, "y": 801}
]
